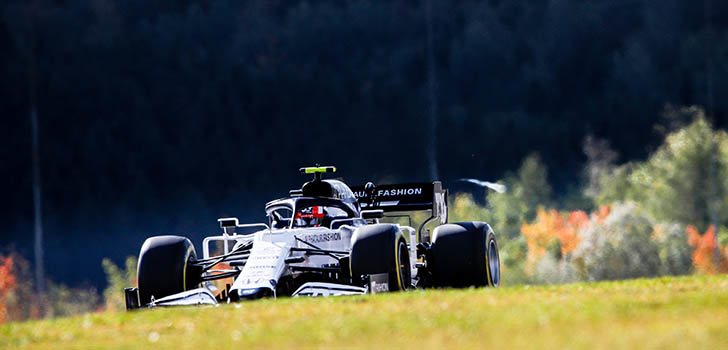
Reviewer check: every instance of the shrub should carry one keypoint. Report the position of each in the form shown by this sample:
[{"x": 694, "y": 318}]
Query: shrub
[
  {"x": 674, "y": 249},
  {"x": 7, "y": 285},
  {"x": 118, "y": 279},
  {"x": 551, "y": 269},
  {"x": 462, "y": 207},
  {"x": 18, "y": 298},
  {"x": 705, "y": 248},
  {"x": 619, "y": 247},
  {"x": 513, "y": 254},
  {"x": 553, "y": 232},
  {"x": 64, "y": 301}
]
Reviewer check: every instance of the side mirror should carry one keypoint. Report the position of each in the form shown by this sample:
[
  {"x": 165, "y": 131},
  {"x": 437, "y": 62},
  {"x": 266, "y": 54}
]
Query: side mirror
[
  {"x": 228, "y": 225},
  {"x": 372, "y": 214}
]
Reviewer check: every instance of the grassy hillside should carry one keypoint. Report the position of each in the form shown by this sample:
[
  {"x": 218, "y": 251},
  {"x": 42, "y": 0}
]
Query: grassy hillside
[{"x": 687, "y": 312}]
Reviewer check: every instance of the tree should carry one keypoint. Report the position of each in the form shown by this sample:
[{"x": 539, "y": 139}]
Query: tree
[
  {"x": 527, "y": 191},
  {"x": 600, "y": 161},
  {"x": 677, "y": 183},
  {"x": 685, "y": 180}
]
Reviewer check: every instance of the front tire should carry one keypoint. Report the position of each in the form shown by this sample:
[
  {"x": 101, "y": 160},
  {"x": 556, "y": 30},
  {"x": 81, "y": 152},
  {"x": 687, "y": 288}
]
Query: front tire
[
  {"x": 379, "y": 249},
  {"x": 163, "y": 267},
  {"x": 464, "y": 254}
]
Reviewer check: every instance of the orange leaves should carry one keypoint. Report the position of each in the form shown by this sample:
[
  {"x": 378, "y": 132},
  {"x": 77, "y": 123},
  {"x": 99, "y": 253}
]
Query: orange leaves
[
  {"x": 552, "y": 227},
  {"x": 569, "y": 233},
  {"x": 602, "y": 213},
  {"x": 704, "y": 247},
  {"x": 7, "y": 285},
  {"x": 541, "y": 233},
  {"x": 7, "y": 278}
]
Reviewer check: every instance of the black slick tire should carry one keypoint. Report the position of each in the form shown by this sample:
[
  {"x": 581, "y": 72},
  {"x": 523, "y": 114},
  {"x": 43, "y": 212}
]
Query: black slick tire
[
  {"x": 163, "y": 267},
  {"x": 379, "y": 249},
  {"x": 464, "y": 254}
]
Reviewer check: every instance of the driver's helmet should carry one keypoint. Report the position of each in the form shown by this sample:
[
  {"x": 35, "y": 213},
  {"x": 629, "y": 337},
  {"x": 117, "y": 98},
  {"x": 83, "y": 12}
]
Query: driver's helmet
[{"x": 310, "y": 216}]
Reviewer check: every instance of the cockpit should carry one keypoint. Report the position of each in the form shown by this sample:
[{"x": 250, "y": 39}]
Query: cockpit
[
  {"x": 304, "y": 212},
  {"x": 317, "y": 216},
  {"x": 319, "y": 203}
]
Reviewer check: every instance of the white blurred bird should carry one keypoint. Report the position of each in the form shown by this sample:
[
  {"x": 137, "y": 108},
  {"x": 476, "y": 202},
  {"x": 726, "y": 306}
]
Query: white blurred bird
[{"x": 492, "y": 185}]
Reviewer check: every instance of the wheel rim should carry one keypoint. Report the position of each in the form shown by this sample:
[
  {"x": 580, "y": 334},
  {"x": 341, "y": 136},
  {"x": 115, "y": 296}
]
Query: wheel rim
[
  {"x": 493, "y": 263},
  {"x": 404, "y": 270}
]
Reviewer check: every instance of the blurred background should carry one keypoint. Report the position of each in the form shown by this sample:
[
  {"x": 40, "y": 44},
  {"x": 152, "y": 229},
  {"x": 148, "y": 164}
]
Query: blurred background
[{"x": 604, "y": 118}]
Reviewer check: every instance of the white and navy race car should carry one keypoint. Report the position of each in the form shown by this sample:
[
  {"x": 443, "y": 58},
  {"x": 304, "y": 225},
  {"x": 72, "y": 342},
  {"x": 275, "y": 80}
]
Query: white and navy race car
[{"x": 324, "y": 239}]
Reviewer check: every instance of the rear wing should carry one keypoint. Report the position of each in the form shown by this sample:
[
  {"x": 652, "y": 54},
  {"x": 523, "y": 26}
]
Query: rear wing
[{"x": 404, "y": 197}]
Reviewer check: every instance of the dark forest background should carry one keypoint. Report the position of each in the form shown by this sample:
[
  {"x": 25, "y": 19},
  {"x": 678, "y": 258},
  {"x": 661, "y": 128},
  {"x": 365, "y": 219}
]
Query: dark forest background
[{"x": 157, "y": 117}]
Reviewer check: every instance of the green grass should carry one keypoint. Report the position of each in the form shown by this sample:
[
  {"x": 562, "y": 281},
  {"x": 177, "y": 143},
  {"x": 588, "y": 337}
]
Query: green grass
[{"x": 686, "y": 312}]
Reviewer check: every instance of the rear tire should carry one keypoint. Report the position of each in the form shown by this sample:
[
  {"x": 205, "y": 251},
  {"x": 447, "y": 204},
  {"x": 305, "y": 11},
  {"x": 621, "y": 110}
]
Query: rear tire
[
  {"x": 464, "y": 254},
  {"x": 164, "y": 269},
  {"x": 378, "y": 249}
]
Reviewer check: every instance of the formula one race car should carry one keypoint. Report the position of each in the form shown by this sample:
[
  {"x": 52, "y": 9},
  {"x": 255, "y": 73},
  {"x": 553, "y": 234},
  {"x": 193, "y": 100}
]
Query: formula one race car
[{"x": 324, "y": 239}]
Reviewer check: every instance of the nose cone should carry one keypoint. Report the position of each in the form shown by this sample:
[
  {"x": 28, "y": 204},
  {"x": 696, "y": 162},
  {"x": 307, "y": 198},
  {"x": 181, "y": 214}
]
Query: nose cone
[{"x": 250, "y": 294}]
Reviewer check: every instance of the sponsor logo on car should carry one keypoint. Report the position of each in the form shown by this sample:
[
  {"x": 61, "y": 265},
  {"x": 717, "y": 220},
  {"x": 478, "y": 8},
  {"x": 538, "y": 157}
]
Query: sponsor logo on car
[
  {"x": 322, "y": 237},
  {"x": 392, "y": 192},
  {"x": 378, "y": 287}
]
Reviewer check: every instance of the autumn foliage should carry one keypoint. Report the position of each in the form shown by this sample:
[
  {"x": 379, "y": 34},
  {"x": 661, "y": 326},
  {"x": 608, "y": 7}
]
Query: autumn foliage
[
  {"x": 18, "y": 300},
  {"x": 704, "y": 248},
  {"x": 552, "y": 227},
  {"x": 7, "y": 285}
]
